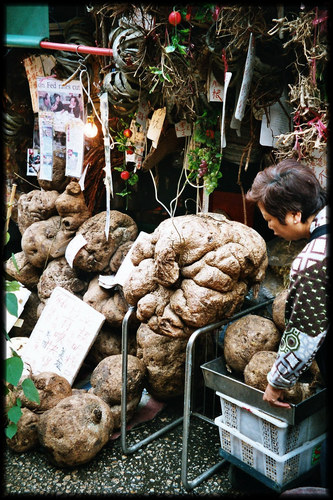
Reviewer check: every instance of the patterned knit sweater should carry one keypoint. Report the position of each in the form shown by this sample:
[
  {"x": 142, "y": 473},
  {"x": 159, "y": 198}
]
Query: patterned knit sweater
[{"x": 306, "y": 310}]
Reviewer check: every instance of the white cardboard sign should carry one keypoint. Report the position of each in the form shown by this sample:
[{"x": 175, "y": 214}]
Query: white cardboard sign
[{"x": 63, "y": 335}]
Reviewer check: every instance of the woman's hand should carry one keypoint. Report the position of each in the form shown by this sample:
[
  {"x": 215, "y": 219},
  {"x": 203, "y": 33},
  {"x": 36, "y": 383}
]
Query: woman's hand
[{"x": 273, "y": 395}]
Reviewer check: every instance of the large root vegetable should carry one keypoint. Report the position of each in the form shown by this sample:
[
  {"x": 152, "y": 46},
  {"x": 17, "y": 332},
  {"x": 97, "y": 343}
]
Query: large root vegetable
[
  {"x": 23, "y": 271},
  {"x": 95, "y": 256},
  {"x": 106, "y": 379},
  {"x": 111, "y": 303},
  {"x": 279, "y": 309},
  {"x": 72, "y": 208},
  {"x": 51, "y": 388},
  {"x": 200, "y": 266},
  {"x": 35, "y": 206},
  {"x": 246, "y": 336},
  {"x": 45, "y": 240},
  {"x": 26, "y": 436},
  {"x": 76, "y": 429},
  {"x": 255, "y": 375}
]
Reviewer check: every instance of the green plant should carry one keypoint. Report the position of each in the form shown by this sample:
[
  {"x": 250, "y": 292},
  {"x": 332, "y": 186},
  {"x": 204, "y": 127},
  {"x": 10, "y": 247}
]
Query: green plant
[
  {"x": 14, "y": 366},
  {"x": 204, "y": 160}
]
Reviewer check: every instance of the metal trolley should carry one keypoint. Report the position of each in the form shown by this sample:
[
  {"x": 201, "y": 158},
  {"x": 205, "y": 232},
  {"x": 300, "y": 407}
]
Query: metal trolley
[{"x": 190, "y": 408}]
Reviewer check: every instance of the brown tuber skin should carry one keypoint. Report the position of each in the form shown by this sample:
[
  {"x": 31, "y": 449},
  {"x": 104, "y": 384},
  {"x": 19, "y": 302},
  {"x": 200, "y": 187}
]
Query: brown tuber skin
[
  {"x": 76, "y": 429},
  {"x": 26, "y": 437},
  {"x": 51, "y": 387},
  {"x": 246, "y": 336}
]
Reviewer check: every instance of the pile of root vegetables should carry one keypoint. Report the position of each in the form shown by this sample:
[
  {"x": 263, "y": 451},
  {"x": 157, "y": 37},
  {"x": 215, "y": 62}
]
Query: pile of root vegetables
[
  {"x": 191, "y": 271},
  {"x": 250, "y": 350}
]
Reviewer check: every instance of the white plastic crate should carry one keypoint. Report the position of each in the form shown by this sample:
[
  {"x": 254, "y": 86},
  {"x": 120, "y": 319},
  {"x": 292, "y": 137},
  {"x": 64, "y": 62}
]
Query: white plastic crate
[
  {"x": 279, "y": 469},
  {"x": 272, "y": 433}
]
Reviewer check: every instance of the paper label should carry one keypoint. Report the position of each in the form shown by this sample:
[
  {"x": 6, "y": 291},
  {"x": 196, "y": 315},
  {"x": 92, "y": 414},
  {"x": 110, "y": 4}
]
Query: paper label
[
  {"x": 46, "y": 146},
  {"x": 215, "y": 89},
  {"x": 278, "y": 122},
  {"x": 246, "y": 82},
  {"x": 33, "y": 162},
  {"x": 155, "y": 126},
  {"x": 183, "y": 129},
  {"x": 62, "y": 336},
  {"x": 73, "y": 248},
  {"x": 74, "y": 148}
]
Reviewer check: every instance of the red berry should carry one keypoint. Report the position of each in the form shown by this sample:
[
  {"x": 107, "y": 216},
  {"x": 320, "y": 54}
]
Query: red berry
[
  {"x": 125, "y": 175},
  {"x": 127, "y": 132},
  {"x": 175, "y": 18}
]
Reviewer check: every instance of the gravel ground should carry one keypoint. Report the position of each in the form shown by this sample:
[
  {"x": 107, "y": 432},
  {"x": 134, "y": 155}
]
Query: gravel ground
[{"x": 154, "y": 469}]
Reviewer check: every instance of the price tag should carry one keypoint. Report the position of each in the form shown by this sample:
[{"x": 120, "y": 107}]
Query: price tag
[{"x": 155, "y": 126}]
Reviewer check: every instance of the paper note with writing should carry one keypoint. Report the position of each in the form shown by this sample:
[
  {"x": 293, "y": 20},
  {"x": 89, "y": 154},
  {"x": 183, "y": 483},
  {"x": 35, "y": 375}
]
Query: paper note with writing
[
  {"x": 35, "y": 66},
  {"x": 46, "y": 146},
  {"x": 73, "y": 247},
  {"x": 277, "y": 122},
  {"x": 63, "y": 335},
  {"x": 215, "y": 89},
  {"x": 142, "y": 113},
  {"x": 155, "y": 126},
  {"x": 246, "y": 82},
  {"x": 22, "y": 295},
  {"x": 74, "y": 148},
  {"x": 183, "y": 128}
]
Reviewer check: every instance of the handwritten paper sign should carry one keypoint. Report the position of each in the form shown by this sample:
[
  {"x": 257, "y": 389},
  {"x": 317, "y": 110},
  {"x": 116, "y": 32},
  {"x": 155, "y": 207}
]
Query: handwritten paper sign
[
  {"x": 215, "y": 89},
  {"x": 63, "y": 335},
  {"x": 155, "y": 126},
  {"x": 183, "y": 129},
  {"x": 277, "y": 122}
]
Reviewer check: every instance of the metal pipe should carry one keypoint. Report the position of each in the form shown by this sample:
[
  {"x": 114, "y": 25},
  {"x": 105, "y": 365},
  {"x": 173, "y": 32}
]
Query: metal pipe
[
  {"x": 124, "y": 348},
  {"x": 71, "y": 47},
  {"x": 187, "y": 397}
]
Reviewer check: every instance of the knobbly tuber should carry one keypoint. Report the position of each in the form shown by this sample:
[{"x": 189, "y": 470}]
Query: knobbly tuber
[
  {"x": 108, "y": 342},
  {"x": 59, "y": 273},
  {"x": 111, "y": 302},
  {"x": 279, "y": 309},
  {"x": 95, "y": 256},
  {"x": 23, "y": 271},
  {"x": 106, "y": 379},
  {"x": 35, "y": 206},
  {"x": 206, "y": 263},
  {"x": 246, "y": 336},
  {"x": 26, "y": 437},
  {"x": 45, "y": 240},
  {"x": 75, "y": 430},
  {"x": 51, "y": 388},
  {"x": 164, "y": 358},
  {"x": 72, "y": 208},
  {"x": 255, "y": 375}
]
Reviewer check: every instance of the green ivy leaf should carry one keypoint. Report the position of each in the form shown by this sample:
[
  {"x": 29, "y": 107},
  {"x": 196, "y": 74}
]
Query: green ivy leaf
[
  {"x": 11, "y": 430},
  {"x": 13, "y": 370},
  {"x": 14, "y": 414},
  {"x": 11, "y": 303},
  {"x": 30, "y": 390}
]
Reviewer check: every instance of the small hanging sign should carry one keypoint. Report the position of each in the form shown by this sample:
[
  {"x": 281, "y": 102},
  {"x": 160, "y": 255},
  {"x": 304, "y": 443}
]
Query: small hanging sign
[
  {"x": 155, "y": 126},
  {"x": 74, "y": 148},
  {"x": 46, "y": 146},
  {"x": 215, "y": 89},
  {"x": 246, "y": 82},
  {"x": 183, "y": 129}
]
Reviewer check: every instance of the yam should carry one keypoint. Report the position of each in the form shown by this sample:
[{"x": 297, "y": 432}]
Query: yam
[{"x": 246, "y": 336}]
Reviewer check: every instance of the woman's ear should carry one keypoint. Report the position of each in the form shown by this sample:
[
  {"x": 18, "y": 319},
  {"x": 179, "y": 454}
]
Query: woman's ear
[{"x": 297, "y": 217}]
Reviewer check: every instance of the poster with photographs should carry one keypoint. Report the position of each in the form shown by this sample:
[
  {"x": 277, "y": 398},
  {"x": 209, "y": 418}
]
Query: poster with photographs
[
  {"x": 33, "y": 162},
  {"x": 64, "y": 101}
]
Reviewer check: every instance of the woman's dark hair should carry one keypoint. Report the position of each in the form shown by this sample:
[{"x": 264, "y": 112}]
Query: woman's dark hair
[{"x": 288, "y": 186}]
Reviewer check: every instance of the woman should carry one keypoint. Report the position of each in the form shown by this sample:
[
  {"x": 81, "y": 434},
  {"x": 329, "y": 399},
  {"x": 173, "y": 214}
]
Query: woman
[{"x": 293, "y": 203}]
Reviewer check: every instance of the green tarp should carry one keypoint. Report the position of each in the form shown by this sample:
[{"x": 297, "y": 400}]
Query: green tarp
[{"x": 26, "y": 25}]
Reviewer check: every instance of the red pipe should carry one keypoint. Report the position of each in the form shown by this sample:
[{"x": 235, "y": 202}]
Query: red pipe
[{"x": 71, "y": 47}]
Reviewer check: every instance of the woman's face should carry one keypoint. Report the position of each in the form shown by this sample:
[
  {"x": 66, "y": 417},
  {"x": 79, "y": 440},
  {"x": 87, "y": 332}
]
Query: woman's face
[{"x": 289, "y": 231}]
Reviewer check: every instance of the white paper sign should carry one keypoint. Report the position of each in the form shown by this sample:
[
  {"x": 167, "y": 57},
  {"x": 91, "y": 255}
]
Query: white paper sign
[
  {"x": 183, "y": 129},
  {"x": 63, "y": 335},
  {"x": 74, "y": 148},
  {"x": 215, "y": 89},
  {"x": 155, "y": 126},
  {"x": 227, "y": 79},
  {"x": 278, "y": 122},
  {"x": 246, "y": 82},
  {"x": 124, "y": 270},
  {"x": 46, "y": 146},
  {"x": 73, "y": 247}
]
